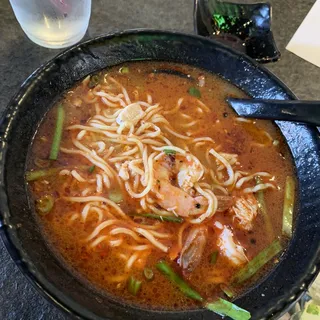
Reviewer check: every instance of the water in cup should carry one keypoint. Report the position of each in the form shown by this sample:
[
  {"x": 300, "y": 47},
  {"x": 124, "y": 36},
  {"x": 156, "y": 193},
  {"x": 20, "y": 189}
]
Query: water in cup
[{"x": 53, "y": 23}]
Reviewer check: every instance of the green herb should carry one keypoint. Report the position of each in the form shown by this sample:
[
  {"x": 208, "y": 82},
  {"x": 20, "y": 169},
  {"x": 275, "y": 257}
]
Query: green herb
[
  {"x": 44, "y": 173},
  {"x": 263, "y": 209},
  {"x": 38, "y": 174},
  {"x": 169, "y": 151},
  {"x": 258, "y": 262},
  {"x": 157, "y": 217},
  {"x": 57, "y": 134},
  {"x": 194, "y": 92},
  {"x": 94, "y": 81},
  {"x": 214, "y": 257},
  {"x": 288, "y": 206},
  {"x": 164, "y": 268},
  {"x": 227, "y": 290},
  {"x": 124, "y": 70},
  {"x": 226, "y": 308},
  {"x": 148, "y": 273},
  {"x": 115, "y": 196},
  {"x": 134, "y": 285},
  {"x": 91, "y": 169},
  {"x": 45, "y": 204}
]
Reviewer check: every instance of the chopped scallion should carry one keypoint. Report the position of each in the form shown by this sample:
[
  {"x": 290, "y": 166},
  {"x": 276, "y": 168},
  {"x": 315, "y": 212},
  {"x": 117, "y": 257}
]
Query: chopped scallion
[
  {"x": 157, "y": 217},
  {"x": 263, "y": 209},
  {"x": 91, "y": 169},
  {"x": 148, "y": 273},
  {"x": 226, "y": 308},
  {"x": 94, "y": 81},
  {"x": 38, "y": 174},
  {"x": 134, "y": 285},
  {"x": 45, "y": 204},
  {"x": 258, "y": 262},
  {"x": 57, "y": 134},
  {"x": 124, "y": 70},
  {"x": 44, "y": 173},
  {"x": 227, "y": 290},
  {"x": 194, "y": 92},
  {"x": 169, "y": 151},
  {"x": 164, "y": 268},
  {"x": 115, "y": 196},
  {"x": 288, "y": 205}
]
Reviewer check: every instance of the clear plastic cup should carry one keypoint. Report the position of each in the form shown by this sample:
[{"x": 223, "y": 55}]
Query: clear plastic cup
[{"x": 53, "y": 23}]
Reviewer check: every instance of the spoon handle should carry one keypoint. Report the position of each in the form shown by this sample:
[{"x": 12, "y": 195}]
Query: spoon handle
[{"x": 288, "y": 110}]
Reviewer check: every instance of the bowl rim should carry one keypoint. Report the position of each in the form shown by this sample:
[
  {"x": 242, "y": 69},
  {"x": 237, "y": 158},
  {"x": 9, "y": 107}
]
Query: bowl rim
[{"x": 15, "y": 251}]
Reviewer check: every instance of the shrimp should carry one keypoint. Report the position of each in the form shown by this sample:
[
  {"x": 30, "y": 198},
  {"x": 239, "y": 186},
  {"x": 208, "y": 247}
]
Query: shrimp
[
  {"x": 173, "y": 198},
  {"x": 189, "y": 173},
  {"x": 178, "y": 201},
  {"x": 231, "y": 250},
  {"x": 193, "y": 248},
  {"x": 245, "y": 210}
]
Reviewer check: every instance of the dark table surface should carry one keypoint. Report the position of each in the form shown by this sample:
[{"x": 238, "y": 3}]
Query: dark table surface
[{"x": 19, "y": 57}]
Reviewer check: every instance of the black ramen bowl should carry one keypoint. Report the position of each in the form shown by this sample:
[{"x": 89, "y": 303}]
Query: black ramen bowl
[{"x": 272, "y": 295}]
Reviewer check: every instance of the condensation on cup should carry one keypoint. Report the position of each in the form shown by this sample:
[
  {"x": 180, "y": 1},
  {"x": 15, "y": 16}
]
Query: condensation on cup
[{"x": 53, "y": 23}]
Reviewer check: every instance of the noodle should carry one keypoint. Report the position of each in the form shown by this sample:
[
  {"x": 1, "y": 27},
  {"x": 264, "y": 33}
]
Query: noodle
[
  {"x": 100, "y": 227},
  {"x": 115, "y": 243},
  {"x": 178, "y": 135},
  {"x": 98, "y": 199},
  {"x": 77, "y": 176},
  {"x": 212, "y": 205},
  {"x": 227, "y": 165},
  {"x": 99, "y": 183},
  {"x": 175, "y": 109},
  {"x": 259, "y": 187},
  {"x": 149, "y": 174},
  {"x": 97, "y": 241},
  {"x": 241, "y": 181},
  {"x": 126, "y": 231},
  {"x": 152, "y": 239}
]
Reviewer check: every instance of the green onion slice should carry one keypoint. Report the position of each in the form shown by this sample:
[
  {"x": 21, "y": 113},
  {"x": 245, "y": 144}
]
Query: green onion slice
[
  {"x": 38, "y": 174},
  {"x": 115, "y": 196},
  {"x": 148, "y": 273},
  {"x": 124, "y": 70},
  {"x": 194, "y": 92},
  {"x": 157, "y": 217},
  {"x": 169, "y": 151},
  {"x": 134, "y": 285},
  {"x": 226, "y": 308},
  {"x": 258, "y": 262},
  {"x": 288, "y": 206},
  {"x": 45, "y": 204},
  {"x": 91, "y": 169},
  {"x": 57, "y": 134},
  {"x": 227, "y": 290},
  {"x": 165, "y": 269},
  {"x": 94, "y": 81},
  {"x": 263, "y": 209}
]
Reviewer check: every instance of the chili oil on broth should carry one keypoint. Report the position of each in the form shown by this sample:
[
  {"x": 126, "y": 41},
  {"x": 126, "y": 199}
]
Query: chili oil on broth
[{"x": 104, "y": 265}]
